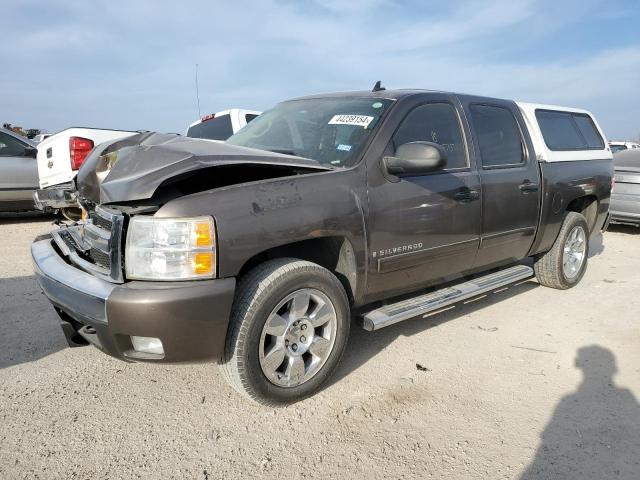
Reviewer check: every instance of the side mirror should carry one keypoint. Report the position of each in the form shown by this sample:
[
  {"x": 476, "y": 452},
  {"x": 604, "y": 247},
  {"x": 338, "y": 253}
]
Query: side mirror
[
  {"x": 30, "y": 152},
  {"x": 415, "y": 158}
]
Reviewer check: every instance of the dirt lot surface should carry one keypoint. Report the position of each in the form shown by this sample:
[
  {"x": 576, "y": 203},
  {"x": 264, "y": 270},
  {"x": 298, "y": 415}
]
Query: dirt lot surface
[{"x": 528, "y": 383}]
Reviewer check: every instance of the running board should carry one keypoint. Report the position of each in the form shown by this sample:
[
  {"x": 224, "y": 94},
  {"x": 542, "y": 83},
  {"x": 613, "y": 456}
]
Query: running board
[{"x": 430, "y": 302}]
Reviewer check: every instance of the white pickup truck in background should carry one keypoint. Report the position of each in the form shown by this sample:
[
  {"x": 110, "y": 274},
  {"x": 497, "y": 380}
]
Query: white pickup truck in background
[
  {"x": 221, "y": 125},
  {"x": 59, "y": 158},
  {"x": 61, "y": 155}
]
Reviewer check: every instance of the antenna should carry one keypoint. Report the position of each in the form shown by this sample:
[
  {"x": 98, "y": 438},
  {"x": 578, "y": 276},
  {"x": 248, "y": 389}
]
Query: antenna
[
  {"x": 378, "y": 87},
  {"x": 198, "y": 92}
]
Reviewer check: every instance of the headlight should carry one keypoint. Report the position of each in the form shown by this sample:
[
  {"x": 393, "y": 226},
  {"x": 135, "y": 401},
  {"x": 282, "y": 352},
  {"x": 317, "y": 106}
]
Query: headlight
[{"x": 170, "y": 248}]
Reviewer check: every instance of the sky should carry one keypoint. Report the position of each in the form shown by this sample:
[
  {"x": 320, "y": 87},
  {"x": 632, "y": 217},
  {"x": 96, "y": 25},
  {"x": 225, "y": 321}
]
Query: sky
[{"x": 129, "y": 64}]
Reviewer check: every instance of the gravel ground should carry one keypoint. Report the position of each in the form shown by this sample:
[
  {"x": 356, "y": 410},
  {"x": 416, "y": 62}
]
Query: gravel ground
[{"x": 528, "y": 383}]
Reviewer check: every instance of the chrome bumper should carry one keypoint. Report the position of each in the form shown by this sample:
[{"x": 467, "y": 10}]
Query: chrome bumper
[{"x": 53, "y": 198}]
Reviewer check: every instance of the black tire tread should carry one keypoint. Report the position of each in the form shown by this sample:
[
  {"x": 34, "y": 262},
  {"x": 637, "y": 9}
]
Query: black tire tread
[
  {"x": 548, "y": 266},
  {"x": 249, "y": 291}
]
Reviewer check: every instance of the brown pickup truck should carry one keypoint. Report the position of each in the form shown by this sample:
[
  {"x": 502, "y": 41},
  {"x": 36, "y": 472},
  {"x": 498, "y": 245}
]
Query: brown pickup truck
[{"x": 376, "y": 206}]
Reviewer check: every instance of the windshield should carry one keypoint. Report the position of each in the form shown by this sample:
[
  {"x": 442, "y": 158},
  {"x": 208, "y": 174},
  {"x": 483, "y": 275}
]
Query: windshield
[{"x": 332, "y": 131}]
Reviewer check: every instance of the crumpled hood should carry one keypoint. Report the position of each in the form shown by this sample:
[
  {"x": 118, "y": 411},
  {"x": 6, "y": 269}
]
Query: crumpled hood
[{"x": 134, "y": 167}]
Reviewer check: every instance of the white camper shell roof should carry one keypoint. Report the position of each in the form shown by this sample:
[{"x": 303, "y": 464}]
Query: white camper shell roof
[{"x": 544, "y": 153}]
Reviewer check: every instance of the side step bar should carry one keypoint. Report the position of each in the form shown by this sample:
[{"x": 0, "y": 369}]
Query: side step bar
[{"x": 417, "y": 306}]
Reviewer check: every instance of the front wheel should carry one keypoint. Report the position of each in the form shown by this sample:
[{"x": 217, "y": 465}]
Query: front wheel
[
  {"x": 289, "y": 327},
  {"x": 563, "y": 266}
]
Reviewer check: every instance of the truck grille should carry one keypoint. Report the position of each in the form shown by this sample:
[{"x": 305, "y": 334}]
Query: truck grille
[
  {"x": 99, "y": 257},
  {"x": 101, "y": 222},
  {"x": 95, "y": 245},
  {"x": 68, "y": 240}
]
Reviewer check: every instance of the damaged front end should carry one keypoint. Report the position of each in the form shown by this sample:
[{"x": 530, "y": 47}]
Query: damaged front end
[
  {"x": 80, "y": 270},
  {"x": 95, "y": 244},
  {"x": 139, "y": 174},
  {"x": 55, "y": 198},
  {"x": 161, "y": 167}
]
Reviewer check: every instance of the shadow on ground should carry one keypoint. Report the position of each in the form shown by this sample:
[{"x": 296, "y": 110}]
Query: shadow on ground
[
  {"x": 596, "y": 244},
  {"x": 29, "y": 328},
  {"x": 363, "y": 346},
  {"x": 9, "y": 218},
  {"x": 619, "y": 228},
  {"x": 594, "y": 433}
]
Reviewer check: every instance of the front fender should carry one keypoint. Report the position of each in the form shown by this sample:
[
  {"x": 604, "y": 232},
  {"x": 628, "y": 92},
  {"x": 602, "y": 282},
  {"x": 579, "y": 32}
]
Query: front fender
[{"x": 255, "y": 217}]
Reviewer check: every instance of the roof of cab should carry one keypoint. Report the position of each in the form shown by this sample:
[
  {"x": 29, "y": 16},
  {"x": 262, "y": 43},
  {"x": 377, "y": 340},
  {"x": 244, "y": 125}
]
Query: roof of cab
[{"x": 392, "y": 94}]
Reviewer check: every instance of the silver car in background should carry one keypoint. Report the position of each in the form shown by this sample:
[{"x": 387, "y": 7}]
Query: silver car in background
[
  {"x": 625, "y": 197},
  {"x": 18, "y": 172}
]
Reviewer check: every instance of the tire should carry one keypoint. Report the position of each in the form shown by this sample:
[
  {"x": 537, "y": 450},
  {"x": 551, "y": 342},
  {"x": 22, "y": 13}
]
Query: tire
[
  {"x": 269, "y": 301},
  {"x": 550, "y": 267}
]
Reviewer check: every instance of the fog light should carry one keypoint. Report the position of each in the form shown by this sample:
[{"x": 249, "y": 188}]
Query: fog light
[{"x": 147, "y": 345}]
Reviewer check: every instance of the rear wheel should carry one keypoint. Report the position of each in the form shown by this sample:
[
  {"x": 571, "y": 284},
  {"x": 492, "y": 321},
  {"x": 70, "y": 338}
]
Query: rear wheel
[
  {"x": 288, "y": 330},
  {"x": 564, "y": 265}
]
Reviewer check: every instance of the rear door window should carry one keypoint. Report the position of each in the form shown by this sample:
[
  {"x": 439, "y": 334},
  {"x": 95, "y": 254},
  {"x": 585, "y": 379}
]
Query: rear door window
[
  {"x": 217, "y": 128},
  {"x": 498, "y": 136},
  {"x": 568, "y": 131}
]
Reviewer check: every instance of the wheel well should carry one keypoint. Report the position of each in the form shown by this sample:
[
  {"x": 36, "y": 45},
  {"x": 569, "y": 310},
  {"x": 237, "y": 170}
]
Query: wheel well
[
  {"x": 336, "y": 254},
  {"x": 588, "y": 207}
]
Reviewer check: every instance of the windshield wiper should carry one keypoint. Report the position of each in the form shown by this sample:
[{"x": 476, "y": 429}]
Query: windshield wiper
[
  {"x": 291, "y": 152},
  {"x": 284, "y": 152}
]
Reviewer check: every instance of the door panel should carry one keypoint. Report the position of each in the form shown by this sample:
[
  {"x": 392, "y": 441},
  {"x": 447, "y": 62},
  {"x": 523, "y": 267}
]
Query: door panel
[
  {"x": 510, "y": 184},
  {"x": 424, "y": 228},
  {"x": 421, "y": 232}
]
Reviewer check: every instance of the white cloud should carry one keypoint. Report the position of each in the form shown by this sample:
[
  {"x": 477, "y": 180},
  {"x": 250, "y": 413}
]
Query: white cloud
[
  {"x": 126, "y": 64},
  {"x": 352, "y": 6}
]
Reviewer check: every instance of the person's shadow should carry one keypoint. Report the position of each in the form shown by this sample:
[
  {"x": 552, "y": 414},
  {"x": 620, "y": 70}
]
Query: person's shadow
[{"x": 595, "y": 432}]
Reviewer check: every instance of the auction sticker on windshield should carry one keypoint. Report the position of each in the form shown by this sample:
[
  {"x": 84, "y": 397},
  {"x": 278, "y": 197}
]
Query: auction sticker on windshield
[{"x": 358, "y": 120}]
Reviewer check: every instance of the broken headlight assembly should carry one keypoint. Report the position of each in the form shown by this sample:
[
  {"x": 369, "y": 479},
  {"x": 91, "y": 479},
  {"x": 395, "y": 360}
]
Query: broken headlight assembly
[{"x": 170, "y": 248}]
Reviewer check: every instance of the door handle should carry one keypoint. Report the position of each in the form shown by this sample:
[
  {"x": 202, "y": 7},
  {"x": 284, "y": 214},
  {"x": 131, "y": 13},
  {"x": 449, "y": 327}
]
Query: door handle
[
  {"x": 465, "y": 195},
  {"x": 528, "y": 186}
]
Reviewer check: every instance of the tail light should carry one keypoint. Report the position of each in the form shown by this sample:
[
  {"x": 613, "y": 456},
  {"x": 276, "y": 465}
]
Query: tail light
[{"x": 79, "y": 148}]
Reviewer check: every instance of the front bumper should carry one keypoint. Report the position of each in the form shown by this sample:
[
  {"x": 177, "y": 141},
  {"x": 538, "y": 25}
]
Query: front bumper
[
  {"x": 190, "y": 318},
  {"x": 54, "y": 198}
]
